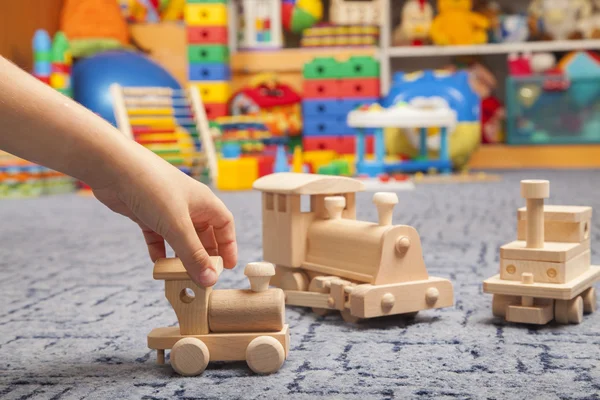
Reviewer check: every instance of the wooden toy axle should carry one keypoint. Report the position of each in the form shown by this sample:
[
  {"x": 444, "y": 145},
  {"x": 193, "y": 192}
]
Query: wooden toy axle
[{"x": 535, "y": 191}]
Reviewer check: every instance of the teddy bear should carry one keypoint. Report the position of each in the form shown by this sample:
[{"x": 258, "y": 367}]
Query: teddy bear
[{"x": 457, "y": 24}]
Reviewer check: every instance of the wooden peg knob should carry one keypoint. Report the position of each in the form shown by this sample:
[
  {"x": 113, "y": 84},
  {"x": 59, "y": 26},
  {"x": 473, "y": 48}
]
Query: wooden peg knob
[
  {"x": 535, "y": 191},
  {"x": 385, "y": 202},
  {"x": 334, "y": 206},
  {"x": 259, "y": 274}
]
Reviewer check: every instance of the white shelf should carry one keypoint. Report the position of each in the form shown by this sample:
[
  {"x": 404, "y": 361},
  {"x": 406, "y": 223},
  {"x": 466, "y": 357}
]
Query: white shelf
[{"x": 502, "y": 48}]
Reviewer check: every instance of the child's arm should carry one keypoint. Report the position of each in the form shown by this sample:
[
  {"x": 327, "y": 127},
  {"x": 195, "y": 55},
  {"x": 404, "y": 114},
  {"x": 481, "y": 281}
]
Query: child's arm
[{"x": 39, "y": 124}]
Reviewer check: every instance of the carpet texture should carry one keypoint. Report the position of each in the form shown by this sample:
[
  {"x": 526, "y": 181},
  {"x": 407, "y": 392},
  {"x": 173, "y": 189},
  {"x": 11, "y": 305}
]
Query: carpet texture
[{"x": 78, "y": 299}]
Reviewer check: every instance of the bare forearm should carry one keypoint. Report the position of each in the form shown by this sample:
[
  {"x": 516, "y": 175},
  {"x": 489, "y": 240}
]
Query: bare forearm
[{"x": 43, "y": 126}]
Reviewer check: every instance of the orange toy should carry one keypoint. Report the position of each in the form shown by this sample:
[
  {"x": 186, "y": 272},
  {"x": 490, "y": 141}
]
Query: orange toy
[{"x": 456, "y": 24}]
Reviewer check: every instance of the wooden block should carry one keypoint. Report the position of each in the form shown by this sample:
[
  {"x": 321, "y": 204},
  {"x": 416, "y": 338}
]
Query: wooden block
[
  {"x": 221, "y": 346},
  {"x": 190, "y": 303},
  {"x": 563, "y": 291},
  {"x": 561, "y": 213},
  {"x": 544, "y": 271},
  {"x": 556, "y": 231},
  {"x": 246, "y": 311},
  {"x": 368, "y": 301},
  {"x": 169, "y": 269},
  {"x": 537, "y": 314},
  {"x": 552, "y": 251},
  {"x": 337, "y": 293},
  {"x": 306, "y": 299},
  {"x": 294, "y": 183}
]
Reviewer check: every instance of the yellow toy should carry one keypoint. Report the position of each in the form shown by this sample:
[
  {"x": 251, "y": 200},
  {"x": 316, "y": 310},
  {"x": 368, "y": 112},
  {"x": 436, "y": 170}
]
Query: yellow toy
[{"x": 456, "y": 24}]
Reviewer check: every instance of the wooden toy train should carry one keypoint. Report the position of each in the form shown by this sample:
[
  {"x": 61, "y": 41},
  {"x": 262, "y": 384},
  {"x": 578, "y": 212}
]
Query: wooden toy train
[
  {"x": 540, "y": 281},
  {"x": 327, "y": 260},
  {"x": 222, "y": 325}
]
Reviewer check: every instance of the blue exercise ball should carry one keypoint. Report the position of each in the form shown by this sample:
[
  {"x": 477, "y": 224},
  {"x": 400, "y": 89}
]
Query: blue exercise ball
[{"x": 93, "y": 76}]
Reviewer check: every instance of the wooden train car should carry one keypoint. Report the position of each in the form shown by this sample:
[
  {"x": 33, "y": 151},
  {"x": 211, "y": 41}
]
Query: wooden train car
[
  {"x": 544, "y": 280},
  {"x": 327, "y": 260},
  {"x": 222, "y": 325}
]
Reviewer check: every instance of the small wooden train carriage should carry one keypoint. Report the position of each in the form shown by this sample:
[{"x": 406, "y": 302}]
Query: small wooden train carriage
[
  {"x": 221, "y": 325},
  {"x": 543, "y": 280},
  {"x": 328, "y": 260}
]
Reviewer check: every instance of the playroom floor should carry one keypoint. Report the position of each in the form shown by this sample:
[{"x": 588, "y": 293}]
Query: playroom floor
[{"x": 78, "y": 299}]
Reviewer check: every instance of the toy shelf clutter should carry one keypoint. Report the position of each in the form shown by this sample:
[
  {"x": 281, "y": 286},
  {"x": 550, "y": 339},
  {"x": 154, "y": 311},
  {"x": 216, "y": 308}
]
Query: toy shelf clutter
[
  {"x": 328, "y": 260},
  {"x": 171, "y": 123},
  {"x": 208, "y": 53},
  {"x": 546, "y": 273},
  {"x": 402, "y": 115},
  {"x": 221, "y": 325}
]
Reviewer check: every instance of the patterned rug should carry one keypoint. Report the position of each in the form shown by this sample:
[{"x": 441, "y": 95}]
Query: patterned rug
[{"x": 78, "y": 299}]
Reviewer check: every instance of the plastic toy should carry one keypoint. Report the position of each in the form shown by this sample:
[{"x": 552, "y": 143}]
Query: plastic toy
[
  {"x": 420, "y": 116},
  {"x": 42, "y": 56},
  {"x": 275, "y": 102},
  {"x": 590, "y": 26},
  {"x": 262, "y": 27},
  {"x": 93, "y": 26},
  {"x": 456, "y": 90},
  {"x": 327, "y": 35},
  {"x": 298, "y": 15},
  {"x": 511, "y": 29},
  {"x": 93, "y": 76},
  {"x": 492, "y": 120},
  {"x": 208, "y": 54},
  {"x": 221, "y": 325},
  {"x": 327, "y": 260},
  {"x": 546, "y": 273},
  {"x": 348, "y": 12},
  {"x": 20, "y": 178},
  {"x": 415, "y": 24},
  {"x": 60, "y": 76},
  {"x": 456, "y": 24},
  {"x": 558, "y": 19},
  {"x": 170, "y": 123}
]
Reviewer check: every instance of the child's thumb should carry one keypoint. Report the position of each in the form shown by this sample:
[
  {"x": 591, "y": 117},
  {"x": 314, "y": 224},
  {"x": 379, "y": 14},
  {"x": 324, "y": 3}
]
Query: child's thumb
[{"x": 187, "y": 245}]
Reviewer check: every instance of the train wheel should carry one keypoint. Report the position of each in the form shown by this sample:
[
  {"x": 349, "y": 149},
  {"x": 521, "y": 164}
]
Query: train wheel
[
  {"x": 346, "y": 316},
  {"x": 500, "y": 302},
  {"x": 265, "y": 355},
  {"x": 294, "y": 281},
  {"x": 313, "y": 288},
  {"x": 189, "y": 356},
  {"x": 569, "y": 311},
  {"x": 589, "y": 300}
]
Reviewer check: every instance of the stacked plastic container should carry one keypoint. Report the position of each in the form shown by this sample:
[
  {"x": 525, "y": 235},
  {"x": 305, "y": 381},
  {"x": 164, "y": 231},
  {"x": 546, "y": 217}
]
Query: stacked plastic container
[
  {"x": 331, "y": 90},
  {"x": 208, "y": 53}
]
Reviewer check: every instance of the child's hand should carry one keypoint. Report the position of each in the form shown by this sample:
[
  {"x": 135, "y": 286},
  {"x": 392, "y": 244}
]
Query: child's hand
[{"x": 169, "y": 205}]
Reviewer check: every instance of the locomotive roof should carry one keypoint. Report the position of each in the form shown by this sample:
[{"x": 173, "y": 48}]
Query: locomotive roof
[
  {"x": 296, "y": 183},
  {"x": 172, "y": 269}
]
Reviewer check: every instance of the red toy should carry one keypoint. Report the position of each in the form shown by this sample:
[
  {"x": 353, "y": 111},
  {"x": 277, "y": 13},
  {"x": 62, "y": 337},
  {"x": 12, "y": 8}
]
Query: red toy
[{"x": 492, "y": 116}]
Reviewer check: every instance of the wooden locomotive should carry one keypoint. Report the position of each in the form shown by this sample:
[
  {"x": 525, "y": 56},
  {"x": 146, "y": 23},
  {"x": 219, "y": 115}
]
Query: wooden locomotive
[
  {"x": 222, "y": 325},
  {"x": 327, "y": 260},
  {"x": 540, "y": 281}
]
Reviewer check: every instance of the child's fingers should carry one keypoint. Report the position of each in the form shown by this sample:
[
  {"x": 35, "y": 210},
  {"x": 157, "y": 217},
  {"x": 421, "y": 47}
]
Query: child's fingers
[
  {"x": 207, "y": 237},
  {"x": 224, "y": 230},
  {"x": 156, "y": 244},
  {"x": 187, "y": 245}
]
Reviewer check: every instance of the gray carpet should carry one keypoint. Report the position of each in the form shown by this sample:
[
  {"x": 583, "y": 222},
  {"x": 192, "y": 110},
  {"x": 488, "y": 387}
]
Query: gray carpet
[{"x": 78, "y": 299}]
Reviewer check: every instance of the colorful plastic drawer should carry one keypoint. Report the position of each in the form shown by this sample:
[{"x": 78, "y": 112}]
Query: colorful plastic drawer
[
  {"x": 208, "y": 53},
  {"x": 359, "y": 87},
  {"x": 207, "y": 34},
  {"x": 213, "y": 92},
  {"x": 321, "y": 89},
  {"x": 323, "y": 107},
  {"x": 209, "y": 72},
  {"x": 207, "y": 14}
]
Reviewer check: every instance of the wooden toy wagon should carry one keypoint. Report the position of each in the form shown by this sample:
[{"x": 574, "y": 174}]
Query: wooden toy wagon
[
  {"x": 327, "y": 260},
  {"x": 543, "y": 280},
  {"x": 221, "y": 325}
]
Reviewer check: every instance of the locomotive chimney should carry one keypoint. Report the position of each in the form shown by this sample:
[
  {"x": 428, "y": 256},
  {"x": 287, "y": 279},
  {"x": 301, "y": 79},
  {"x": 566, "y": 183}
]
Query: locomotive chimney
[
  {"x": 259, "y": 274},
  {"x": 334, "y": 206},
  {"x": 535, "y": 191},
  {"x": 385, "y": 202}
]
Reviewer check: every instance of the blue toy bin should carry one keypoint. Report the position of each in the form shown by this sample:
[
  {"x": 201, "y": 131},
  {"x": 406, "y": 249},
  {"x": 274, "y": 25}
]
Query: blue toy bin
[{"x": 546, "y": 110}]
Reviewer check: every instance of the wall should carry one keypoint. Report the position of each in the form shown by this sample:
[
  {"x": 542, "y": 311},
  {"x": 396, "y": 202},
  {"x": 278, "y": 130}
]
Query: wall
[{"x": 18, "y": 22}]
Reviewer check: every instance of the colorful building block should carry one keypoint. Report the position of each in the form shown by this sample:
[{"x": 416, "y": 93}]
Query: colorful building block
[
  {"x": 321, "y": 89},
  {"x": 206, "y": 14},
  {"x": 214, "y": 92},
  {"x": 322, "y": 68},
  {"x": 339, "y": 144},
  {"x": 211, "y": 53},
  {"x": 237, "y": 174},
  {"x": 215, "y": 110},
  {"x": 207, "y": 35},
  {"x": 322, "y": 107},
  {"x": 327, "y": 126},
  {"x": 209, "y": 72},
  {"x": 359, "y": 67},
  {"x": 318, "y": 158},
  {"x": 357, "y": 87},
  {"x": 265, "y": 165}
]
